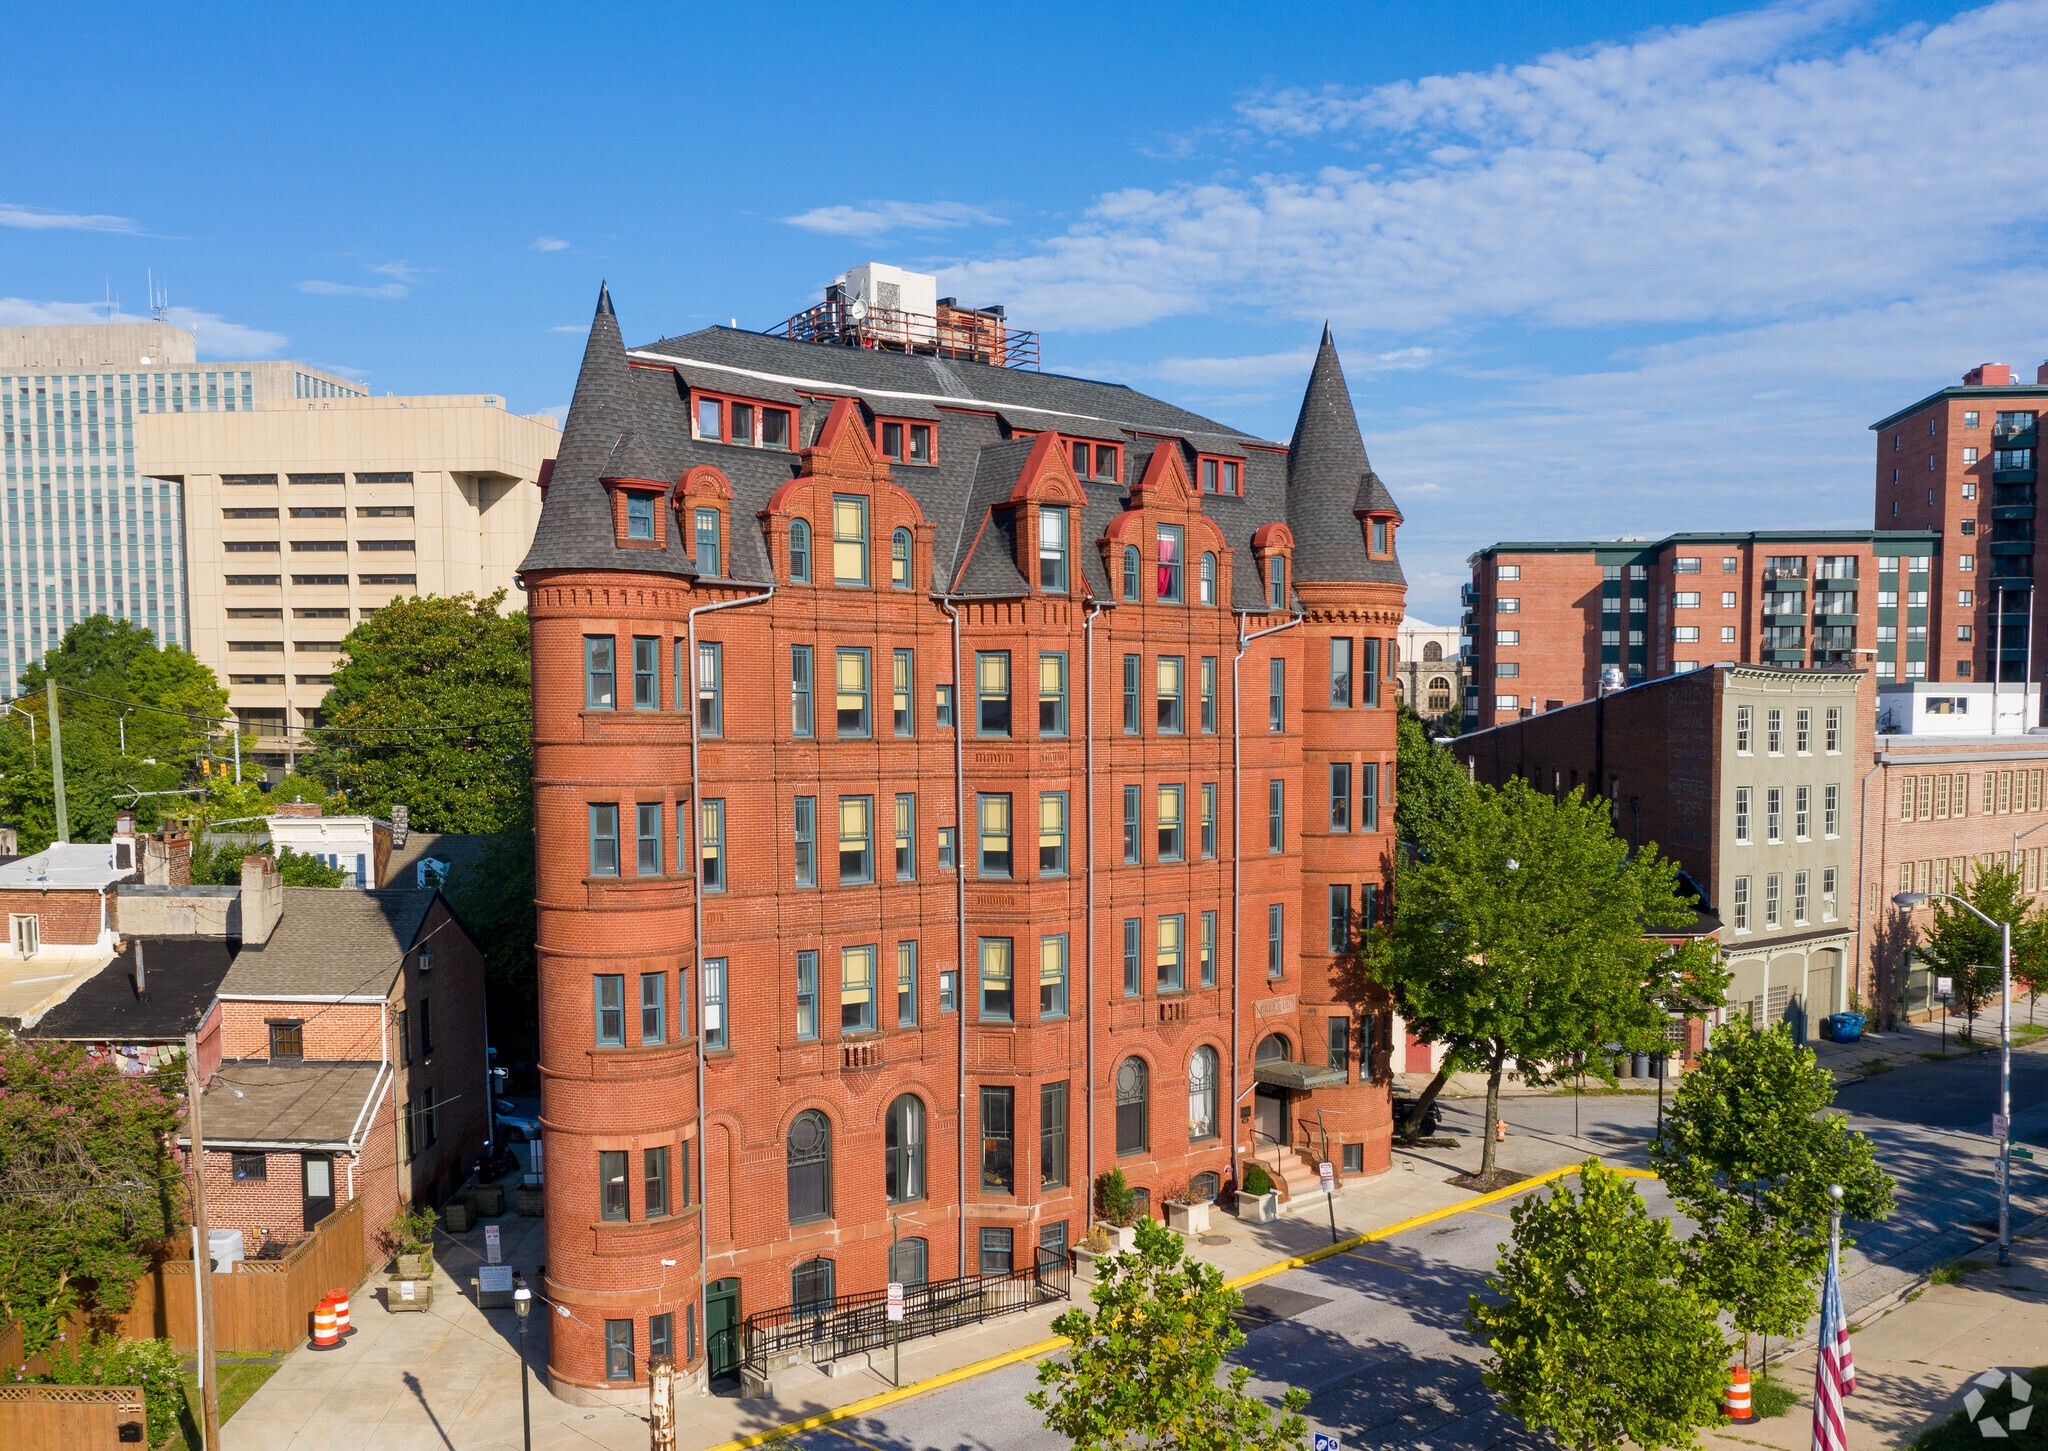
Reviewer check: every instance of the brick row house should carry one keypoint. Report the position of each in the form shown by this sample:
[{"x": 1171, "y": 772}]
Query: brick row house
[{"x": 907, "y": 857}]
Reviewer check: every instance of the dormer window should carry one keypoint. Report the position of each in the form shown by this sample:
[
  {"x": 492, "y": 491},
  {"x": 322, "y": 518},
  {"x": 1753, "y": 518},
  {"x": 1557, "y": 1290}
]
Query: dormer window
[
  {"x": 799, "y": 551},
  {"x": 1220, "y": 475},
  {"x": 639, "y": 516},
  {"x": 1379, "y": 536},
  {"x": 746, "y": 425},
  {"x": 899, "y": 559},
  {"x": 1170, "y": 564},
  {"x": 1276, "y": 582},
  {"x": 1052, "y": 549},
  {"x": 849, "y": 539},
  {"x": 1100, "y": 461},
  {"x": 906, "y": 442},
  {"x": 710, "y": 419},
  {"x": 710, "y": 557},
  {"x": 1131, "y": 571},
  {"x": 1208, "y": 579}
]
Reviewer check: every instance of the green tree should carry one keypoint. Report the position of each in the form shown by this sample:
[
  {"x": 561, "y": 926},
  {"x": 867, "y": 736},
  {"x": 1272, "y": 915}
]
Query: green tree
[
  {"x": 1595, "y": 1335},
  {"x": 1522, "y": 937},
  {"x": 109, "y": 1360},
  {"x": 1748, "y": 1150},
  {"x": 115, "y": 686},
  {"x": 432, "y": 709},
  {"x": 1957, "y": 945},
  {"x": 222, "y": 866},
  {"x": 494, "y": 897},
  {"x": 1143, "y": 1370},
  {"x": 1432, "y": 781},
  {"x": 89, "y": 1185}
]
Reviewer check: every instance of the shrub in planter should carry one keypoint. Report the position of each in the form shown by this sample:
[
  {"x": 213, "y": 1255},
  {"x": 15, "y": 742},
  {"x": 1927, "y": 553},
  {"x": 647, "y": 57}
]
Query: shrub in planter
[
  {"x": 1257, "y": 1180},
  {"x": 1115, "y": 1203},
  {"x": 112, "y": 1361},
  {"x": 409, "y": 1235}
]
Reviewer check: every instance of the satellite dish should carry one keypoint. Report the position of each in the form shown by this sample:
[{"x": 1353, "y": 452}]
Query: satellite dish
[{"x": 857, "y": 310}]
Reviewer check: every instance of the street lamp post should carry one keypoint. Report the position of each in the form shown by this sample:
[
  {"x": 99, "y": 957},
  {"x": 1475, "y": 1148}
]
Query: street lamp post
[
  {"x": 1907, "y": 901},
  {"x": 522, "y": 1305}
]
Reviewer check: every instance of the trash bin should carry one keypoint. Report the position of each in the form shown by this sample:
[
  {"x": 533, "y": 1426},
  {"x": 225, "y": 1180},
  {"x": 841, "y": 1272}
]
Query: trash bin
[
  {"x": 1846, "y": 1027},
  {"x": 1642, "y": 1065}
]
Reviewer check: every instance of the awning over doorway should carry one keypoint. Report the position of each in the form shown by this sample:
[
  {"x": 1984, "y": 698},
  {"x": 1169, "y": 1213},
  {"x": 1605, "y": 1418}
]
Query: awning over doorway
[{"x": 1300, "y": 1077}]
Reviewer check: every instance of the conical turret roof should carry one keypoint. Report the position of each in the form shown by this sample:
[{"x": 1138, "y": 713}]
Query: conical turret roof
[{"x": 1330, "y": 481}]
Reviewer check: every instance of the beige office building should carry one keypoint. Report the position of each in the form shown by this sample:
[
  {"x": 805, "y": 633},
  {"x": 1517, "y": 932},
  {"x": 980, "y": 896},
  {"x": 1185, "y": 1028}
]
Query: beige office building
[
  {"x": 303, "y": 520},
  {"x": 252, "y": 512}
]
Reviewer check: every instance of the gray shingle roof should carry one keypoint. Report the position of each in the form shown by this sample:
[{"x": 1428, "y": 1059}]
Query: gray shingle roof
[
  {"x": 310, "y": 1105},
  {"x": 643, "y": 404},
  {"x": 1329, "y": 480},
  {"x": 332, "y": 942}
]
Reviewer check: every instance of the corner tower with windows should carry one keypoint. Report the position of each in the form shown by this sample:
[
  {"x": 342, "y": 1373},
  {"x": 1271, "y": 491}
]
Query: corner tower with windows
[{"x": 908, "y": 856}]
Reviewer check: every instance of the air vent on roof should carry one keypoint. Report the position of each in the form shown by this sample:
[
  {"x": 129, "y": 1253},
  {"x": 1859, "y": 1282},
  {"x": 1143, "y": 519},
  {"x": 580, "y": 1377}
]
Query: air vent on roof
[{"x": 886, "y": 309}]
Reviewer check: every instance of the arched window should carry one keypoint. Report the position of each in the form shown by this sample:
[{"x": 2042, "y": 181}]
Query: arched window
[
  {"x": 904, "y": 1143},
  {"x": 1130, "y": 571},
  {"x": 1205, "y": 1186},
  {"x": 1276, "y": 582},
  {"x": 1432, "y": 652},
  {"x": 810, "y": 1167},
  {"x": 799, "y": 551},
  {"x": 1132, "y": 1101},
  {"x": 1202, "y": 1094},
  {"x": 1273, "y": 1049},
  {"x": 899, "y": 559},
  {"x": 1208, "y": 579},
  {"x": 810, "y": 1288},
  {"x": 1439, "y": 694}
]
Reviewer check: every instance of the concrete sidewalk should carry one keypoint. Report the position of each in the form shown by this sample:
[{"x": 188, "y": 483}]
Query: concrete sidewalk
[{"x": 1914, "y": 1364}]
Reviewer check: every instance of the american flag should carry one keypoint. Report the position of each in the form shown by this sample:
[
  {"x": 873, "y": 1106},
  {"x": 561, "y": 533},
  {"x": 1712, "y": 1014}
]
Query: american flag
[{"x": 1834, "y": 1370}]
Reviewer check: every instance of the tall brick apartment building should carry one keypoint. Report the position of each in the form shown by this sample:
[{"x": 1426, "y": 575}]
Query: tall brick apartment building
[
  {"x": 905, "y": 848},
  {"x": 1962, "y": 463},
  {"x": 1546, "y": 619}
]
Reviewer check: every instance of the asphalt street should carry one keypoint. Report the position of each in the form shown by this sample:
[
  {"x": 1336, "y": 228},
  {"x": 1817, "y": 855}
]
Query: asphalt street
[{"x": 1377, "y": 1336}]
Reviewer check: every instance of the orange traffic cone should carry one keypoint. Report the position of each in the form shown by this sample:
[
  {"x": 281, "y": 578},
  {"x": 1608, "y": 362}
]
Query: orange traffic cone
[
  {"x": 1735, "y": 1404},
  {"x": 339, "y": 1299},
  {"x": 324, "y": 1337}
]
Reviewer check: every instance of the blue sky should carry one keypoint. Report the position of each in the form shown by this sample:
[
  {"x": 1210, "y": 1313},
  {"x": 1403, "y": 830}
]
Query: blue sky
[{"x": 1595, "y": 269}]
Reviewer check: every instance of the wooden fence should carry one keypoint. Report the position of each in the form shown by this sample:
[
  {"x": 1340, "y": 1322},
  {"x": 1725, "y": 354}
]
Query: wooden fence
[
  {"x": 264, "y": 1306},
  {"x": 81, "y": 1418}
]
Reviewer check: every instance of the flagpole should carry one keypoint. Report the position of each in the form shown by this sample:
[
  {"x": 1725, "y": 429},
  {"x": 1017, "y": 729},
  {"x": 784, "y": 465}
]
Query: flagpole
[{"x": 1834, "y": 1365}]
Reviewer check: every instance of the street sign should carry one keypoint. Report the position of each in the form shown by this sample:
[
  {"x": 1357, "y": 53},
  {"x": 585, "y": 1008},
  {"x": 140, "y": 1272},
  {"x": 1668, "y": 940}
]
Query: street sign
[
  {"x": 1999, "y": 1125},
  {"x": 2023, "y": 1153},
  {"x": 493, "y": 1254},
  {"x": 1944, "y": 987},
  {"x": 895, "y": 1300},
  {"x": 1328, "y": 1441},
  {"x": 1329, "y": 1175}
]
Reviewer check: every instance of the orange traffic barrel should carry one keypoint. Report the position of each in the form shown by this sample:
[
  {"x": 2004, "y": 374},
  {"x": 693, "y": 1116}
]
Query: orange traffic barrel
[
  {"x": 324, "y": 1336},
  {"x": 1735, "y": 1404},
  {"x": 339, "y": 1299}
]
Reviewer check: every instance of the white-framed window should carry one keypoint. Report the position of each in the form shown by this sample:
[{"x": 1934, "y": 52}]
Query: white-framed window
[
  {"x": 1686, "y": 634},
  {"x": 1508, "y": 571},
  {"x": 1727, "y": 634},
  {"x": 1742, "y": 836},
  {"x": 25, "y": 931},
  {"x": 1727, "y": 599},
  {"x": 1742, "y": 904},
  {"x": 1685, "y": 565},
  {"x": 1969, "y": 457},
  {"x": 1966, "y": 597},
  {"x": 1686, "y": 599},
  {"x": 1507, "y": 637},
  {"x": 1966, "y": 563},
  {"x": 1507, "y": 702},
  {"x": 1681, "y": 667},
  {"x": 1507, "y": 605}
]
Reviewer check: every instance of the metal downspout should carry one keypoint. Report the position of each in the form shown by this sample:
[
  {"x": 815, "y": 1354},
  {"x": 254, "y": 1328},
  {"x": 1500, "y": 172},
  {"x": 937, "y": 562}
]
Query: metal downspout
[
  {"x": 697, "y": 934},
  {"x": 1237, "y": 856},
  {"x": 960, "y": 914},
  {"x": 1088, "y": 718},
  {"x": 1863, "y": 864}
]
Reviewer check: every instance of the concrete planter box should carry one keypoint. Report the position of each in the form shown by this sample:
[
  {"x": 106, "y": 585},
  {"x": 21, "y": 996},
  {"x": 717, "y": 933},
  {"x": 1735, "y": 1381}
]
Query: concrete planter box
[
  {"x": 1192, "y": 1218},
  {"x": 456, "y": 1216},
  {"x": 1121, "y": 1238},
  {"x": 1258, "y": 1208},
  {"x": 412, "y": 1267},
  {"x": 422, "y": 1291},
  {"x": 487, "y": 1200},
  {"x": 530, "y": 1200}
]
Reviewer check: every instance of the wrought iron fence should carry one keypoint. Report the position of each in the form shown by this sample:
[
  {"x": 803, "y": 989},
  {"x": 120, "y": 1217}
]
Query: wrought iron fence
[{"x": 850, "y": 1324}]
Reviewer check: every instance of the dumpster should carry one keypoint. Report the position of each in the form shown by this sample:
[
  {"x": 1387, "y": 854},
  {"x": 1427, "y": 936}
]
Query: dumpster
[{"x": 1845, "y": 1027}]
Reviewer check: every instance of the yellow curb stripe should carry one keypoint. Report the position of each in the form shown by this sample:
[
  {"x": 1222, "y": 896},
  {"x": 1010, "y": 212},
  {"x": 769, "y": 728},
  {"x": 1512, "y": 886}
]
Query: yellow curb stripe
[{"x": 824, "y": 1419}]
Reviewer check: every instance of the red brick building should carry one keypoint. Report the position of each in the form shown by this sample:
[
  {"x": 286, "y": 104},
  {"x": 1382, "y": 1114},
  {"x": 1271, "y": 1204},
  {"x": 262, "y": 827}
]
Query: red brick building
[
  {"x": 1544, "y": 620},
  {"x": 890, "y": 767},
  {"x": 1962, "y": 463}
]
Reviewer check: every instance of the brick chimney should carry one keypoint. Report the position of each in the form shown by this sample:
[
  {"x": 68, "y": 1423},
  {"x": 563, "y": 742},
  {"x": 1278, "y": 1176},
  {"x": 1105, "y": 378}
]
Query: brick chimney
[
  {"x": 167, "y": 857},
  {"x": 1988, "y": 375},
  {"x": 296, "y": 808},
  {"x": 262, "y": 898},
  {"x": 2041, "y": 374}
]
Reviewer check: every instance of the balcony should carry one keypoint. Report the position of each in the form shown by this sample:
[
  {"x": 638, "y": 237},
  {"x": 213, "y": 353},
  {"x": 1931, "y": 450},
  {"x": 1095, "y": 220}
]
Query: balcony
[
  {"x": 1785, "y": 604},
  {"x": 1785, "y": 637},
  {"x": 1785, "y": 571},
  {"x": 2011, "y": 546},
  {"x": 1831, "y": 580},
  {"x": 1835, "y": 637},
  {"x": 1784, "y": 621},
  {"x": 2012, "y": 476}
]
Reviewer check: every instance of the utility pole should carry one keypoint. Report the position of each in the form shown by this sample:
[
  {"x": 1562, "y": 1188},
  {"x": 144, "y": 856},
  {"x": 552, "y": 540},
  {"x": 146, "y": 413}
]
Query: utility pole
[
  {"x": 209, "y": 1392},
  {"x": 57, "y": 759}
]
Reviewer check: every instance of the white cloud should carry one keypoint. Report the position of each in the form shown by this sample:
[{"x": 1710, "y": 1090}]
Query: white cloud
[
  {"x": 388, "y": 290},
  {"x": 578, "y": 328},
  {"x": 549, "y": 244},
  {"x": 1739, "y": 169},
  {"x": 405, "y": 272},
  {"x": 874, "y": 219},
  {"x": 35, "y": 219},
  {"x": 216, "y": 337}
]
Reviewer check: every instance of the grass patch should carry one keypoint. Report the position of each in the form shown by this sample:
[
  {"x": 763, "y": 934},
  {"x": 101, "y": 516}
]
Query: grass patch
[
  {"x": 1911, "y": 1296},
  {"x": 239, "y": 1380},
  {"x": 1958, "y": 1431},
  {"x": 1875, "y": 1066},
  {"x": 2029, "y": 1032},
  {"x": 1955, "y": 1272},
  {"x": 1769, "y": 1396}
]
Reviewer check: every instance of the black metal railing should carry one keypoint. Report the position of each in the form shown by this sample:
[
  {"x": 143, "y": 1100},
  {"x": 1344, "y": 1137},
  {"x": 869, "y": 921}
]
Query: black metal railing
[{"x": 850, "y": 1324}]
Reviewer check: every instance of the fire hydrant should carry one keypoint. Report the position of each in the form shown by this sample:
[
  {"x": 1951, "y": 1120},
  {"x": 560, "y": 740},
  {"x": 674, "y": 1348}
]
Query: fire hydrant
[{"x": 1500, "y": 1131}]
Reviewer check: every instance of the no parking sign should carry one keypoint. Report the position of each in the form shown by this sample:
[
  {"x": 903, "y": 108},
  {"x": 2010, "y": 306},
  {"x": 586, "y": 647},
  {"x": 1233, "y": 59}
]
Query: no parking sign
[{"x": 1327, "y": 1441}]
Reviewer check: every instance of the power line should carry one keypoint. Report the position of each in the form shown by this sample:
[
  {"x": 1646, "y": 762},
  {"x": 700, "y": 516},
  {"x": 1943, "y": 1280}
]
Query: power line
[{"x": 194, "y": 718}]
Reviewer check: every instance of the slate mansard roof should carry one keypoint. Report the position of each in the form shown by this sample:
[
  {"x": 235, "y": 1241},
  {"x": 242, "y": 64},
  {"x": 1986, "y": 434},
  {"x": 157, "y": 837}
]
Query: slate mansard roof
[{"x": 630, "y": 419}]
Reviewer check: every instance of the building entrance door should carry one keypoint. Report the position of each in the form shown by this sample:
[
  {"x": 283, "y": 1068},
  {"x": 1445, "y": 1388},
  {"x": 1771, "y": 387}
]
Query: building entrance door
[
  {"x": 319, "y": 1189},
  {"x": 722, "y": 1328},
  {"x": 1269, "y": 1117}
]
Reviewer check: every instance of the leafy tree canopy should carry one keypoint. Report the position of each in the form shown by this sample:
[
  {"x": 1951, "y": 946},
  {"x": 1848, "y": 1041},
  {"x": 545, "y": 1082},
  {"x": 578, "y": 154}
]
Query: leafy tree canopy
[
  {"x": 1594, "y": 1334},
  {"x": 1432, "y": 781},
  {"x": 413, "y": 669},
  {"x": 1522, "y": 937},
  {"x": 89, "y": 1186},
  {"x": 113, "y": 681},
  {"x": 1143, "y": 1370},
  {"x": 1960, "y": 946},
  {"x": 1748, "y": 1149}
]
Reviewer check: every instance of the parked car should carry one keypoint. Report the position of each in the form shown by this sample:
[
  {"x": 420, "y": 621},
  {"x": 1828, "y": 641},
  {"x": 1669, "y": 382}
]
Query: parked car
[
  {"x": 515, "y": 1127},
  {"x": 1404, "y": 1105}
]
